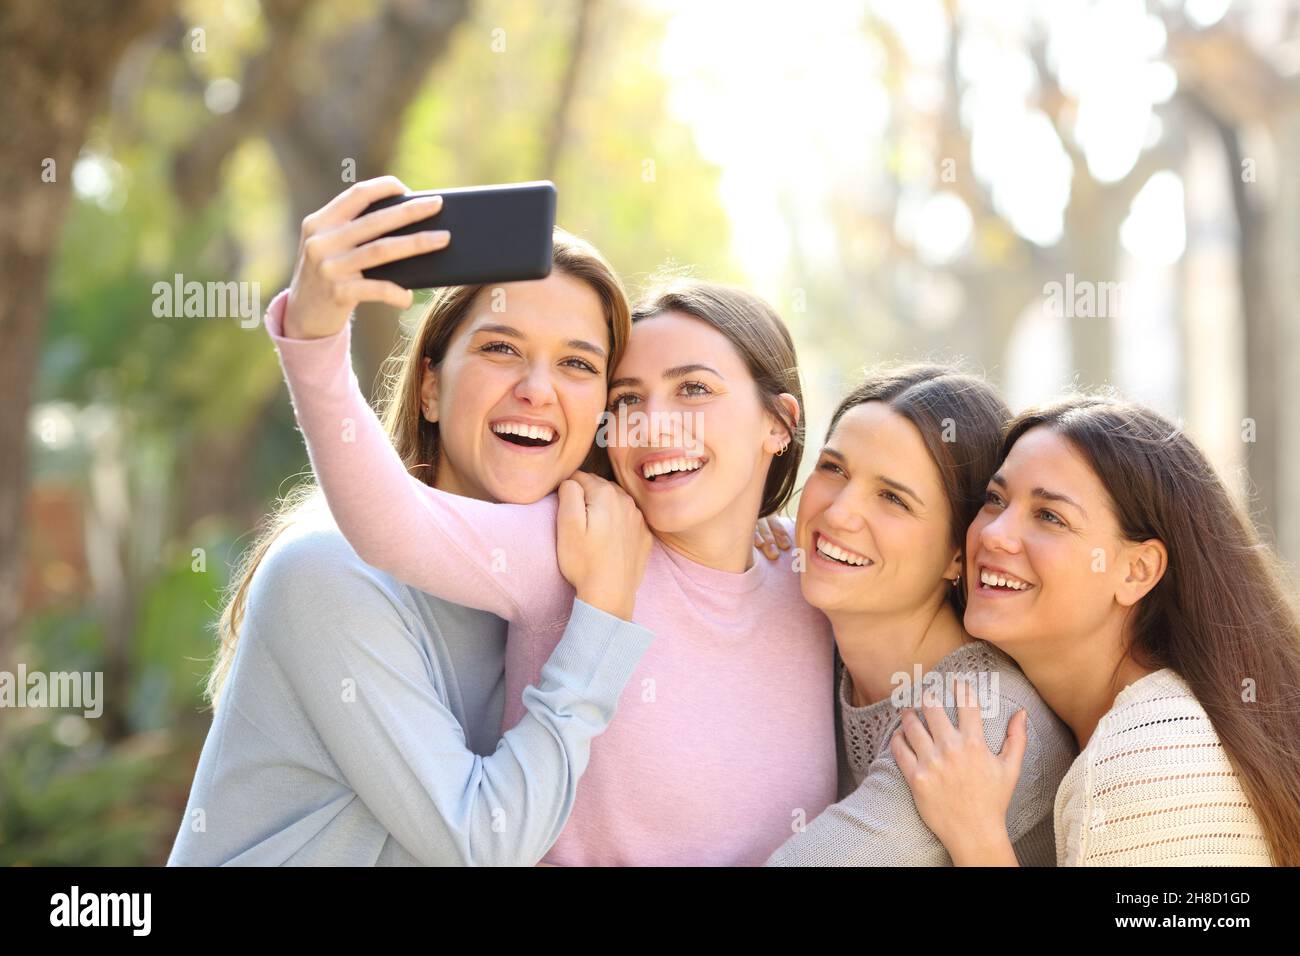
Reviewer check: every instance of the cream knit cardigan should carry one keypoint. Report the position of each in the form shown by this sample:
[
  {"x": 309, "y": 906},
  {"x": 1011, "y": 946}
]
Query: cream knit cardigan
[{"x": 1154, "y": 787}]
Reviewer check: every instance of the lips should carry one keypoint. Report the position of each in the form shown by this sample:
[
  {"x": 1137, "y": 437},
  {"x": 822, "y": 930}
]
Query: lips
[
  {"x": 524, "y": 434},
  {"x": 831, "y": 554},
  {"x": 667, "y": 470},
  {"x": 995, "y": 581}
]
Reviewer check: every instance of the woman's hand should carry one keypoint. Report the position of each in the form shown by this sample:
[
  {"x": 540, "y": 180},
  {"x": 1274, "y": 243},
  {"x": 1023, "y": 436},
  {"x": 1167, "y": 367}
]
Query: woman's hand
[
  {"x": 335, "y": 246},
  {"x": 770, "y": 535},
  {"x": 602, "y": 543},
  {"x": 962, "y": 790}
]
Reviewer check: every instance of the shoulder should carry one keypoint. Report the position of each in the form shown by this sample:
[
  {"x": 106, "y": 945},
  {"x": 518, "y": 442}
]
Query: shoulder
[{"x": 310, "y": 580}]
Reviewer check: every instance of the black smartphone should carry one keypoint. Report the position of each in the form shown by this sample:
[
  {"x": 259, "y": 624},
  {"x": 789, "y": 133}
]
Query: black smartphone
[{"x": 498, "y": 234}]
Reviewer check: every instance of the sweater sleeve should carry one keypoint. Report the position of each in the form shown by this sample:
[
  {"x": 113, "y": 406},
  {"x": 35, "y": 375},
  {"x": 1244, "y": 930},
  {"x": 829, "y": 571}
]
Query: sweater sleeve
[
  {"x": 494, "y": 557},
  {"x": 351, "y": 657},
  {"x": 878, "y": 823}
]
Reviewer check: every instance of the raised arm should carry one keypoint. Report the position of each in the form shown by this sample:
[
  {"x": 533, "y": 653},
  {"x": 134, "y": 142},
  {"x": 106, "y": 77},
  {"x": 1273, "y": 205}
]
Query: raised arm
[{"x": 495, "y": 557}]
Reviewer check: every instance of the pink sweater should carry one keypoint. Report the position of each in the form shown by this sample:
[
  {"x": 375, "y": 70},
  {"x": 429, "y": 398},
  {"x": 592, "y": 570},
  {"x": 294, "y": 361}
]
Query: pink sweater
[{"x": 723, "y": 741}]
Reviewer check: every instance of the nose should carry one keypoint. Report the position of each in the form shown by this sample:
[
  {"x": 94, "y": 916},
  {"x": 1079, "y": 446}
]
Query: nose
[
  {"x": 843, "y": 514},
  {"x": 536, "y": 387},
  {"x": 1001, "y": 534}
]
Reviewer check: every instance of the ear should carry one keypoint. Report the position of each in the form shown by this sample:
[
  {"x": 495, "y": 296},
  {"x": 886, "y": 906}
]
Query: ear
[
  {"x": 429, "y": 391},
  {"x": 952, "y": 573},
  {"x": 779, "y": 436},
  {"x": 1143, "y": 565}
]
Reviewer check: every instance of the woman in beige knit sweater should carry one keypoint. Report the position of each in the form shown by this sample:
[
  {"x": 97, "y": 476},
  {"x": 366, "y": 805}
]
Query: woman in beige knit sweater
[{"x": 1110, "y": 562}]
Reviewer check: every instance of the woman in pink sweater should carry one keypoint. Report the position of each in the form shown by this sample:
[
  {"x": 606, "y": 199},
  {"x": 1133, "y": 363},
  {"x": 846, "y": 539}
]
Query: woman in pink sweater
[{"x": 724, "y": 740}]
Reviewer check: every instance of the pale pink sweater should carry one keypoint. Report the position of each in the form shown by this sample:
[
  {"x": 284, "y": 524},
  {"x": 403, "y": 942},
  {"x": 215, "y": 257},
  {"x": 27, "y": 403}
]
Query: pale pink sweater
[{"x": 724, "y": 740}]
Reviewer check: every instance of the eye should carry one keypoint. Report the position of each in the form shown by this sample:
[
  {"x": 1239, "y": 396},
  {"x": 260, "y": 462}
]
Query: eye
[
  {"x": 1051, "y": 517},
  {"x": 991, "y": 497},
  {"x": 689, "y": 388},
  {"x": 623, "y": 400},
  {"x": 894, "y": 499},
  {"x": 831, "y": 467},
  {"x": 504, "y": 348},
  {"x": 576, "y": 362}
]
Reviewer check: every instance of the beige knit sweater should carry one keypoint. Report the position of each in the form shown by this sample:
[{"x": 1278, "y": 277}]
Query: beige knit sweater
[{"x": 1154, "y": 787}]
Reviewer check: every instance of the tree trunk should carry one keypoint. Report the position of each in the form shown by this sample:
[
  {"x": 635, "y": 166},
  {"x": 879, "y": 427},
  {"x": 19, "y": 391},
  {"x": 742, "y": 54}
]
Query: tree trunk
[{"x": 57, "y": 58}]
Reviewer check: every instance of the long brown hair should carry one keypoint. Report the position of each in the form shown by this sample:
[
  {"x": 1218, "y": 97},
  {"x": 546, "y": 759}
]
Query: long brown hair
[
  {"x": 764, "y": 343},
  {"x": 1221, "y": 613},
  {"x": 961, "y": 419},
  {"x": 415, "y": 438}
]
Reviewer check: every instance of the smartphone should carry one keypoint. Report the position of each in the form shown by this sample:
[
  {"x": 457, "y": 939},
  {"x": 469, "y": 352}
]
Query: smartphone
[{"x": 498, "y": 234}]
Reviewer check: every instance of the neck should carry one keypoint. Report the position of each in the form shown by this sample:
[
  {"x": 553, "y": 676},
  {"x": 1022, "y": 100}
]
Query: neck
[
  {"x": 724, "y": 542},
  {"x": 1078, "y": 681},
  {"x": 875, "y": 647}
]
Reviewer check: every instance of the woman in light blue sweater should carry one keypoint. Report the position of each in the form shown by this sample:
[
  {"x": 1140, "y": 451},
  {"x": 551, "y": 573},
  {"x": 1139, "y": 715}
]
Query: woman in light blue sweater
[{"x": 357, "y": 720}]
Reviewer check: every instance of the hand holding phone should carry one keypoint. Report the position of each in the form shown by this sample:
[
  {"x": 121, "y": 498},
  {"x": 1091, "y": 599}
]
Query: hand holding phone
[
  {"x": 335, "y": 246},
  {"x": 376, "y": 241}
]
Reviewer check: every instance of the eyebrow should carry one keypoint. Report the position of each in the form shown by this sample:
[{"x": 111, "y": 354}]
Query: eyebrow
[
  {"x": 1041, "y": 492},
  {"x": 580, "y": 344},
  {"x": 896, "y": 485},
  {"x": 670, "y": 373}
]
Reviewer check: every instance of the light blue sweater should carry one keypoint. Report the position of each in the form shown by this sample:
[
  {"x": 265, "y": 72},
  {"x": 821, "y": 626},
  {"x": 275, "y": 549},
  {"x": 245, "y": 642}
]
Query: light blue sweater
[{"x": 360, "y": 724}]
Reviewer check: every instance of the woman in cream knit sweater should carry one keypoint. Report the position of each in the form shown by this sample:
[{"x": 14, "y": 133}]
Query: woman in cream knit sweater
[{"x": 1110, "y": 562}]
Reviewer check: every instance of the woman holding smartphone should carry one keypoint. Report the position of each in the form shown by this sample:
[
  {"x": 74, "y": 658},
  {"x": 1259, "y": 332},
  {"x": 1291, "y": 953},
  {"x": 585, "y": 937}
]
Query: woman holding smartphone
[
  {"x": 358, "y": 721},
  {"x": 724, "y": 738},
  {"x": 1111, "y": 563}
]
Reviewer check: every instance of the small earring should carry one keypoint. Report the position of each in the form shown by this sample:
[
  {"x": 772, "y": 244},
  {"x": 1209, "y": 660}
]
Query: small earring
[
  {"x": 955, "y": 581},
  {"x": 782, "y": 451}
]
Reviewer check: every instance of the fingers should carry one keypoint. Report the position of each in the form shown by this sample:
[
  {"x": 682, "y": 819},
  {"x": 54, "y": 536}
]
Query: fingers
[
  {"x": 381, "y": 221},
  {"x": 347, "y": 204},
  {"x": 969, "y": 720},
  {"x": 1013, "y": 748},
  {"x": 903, "y": 755},
  {"x": 573, "y": 506},
  {"x": 918, "y": 738},
  {"x": 940, "y": 724},
  {"x": 384, "y": 250},
  {"x": 373, "y": 290},
  {"x": 764, "y": 540}
]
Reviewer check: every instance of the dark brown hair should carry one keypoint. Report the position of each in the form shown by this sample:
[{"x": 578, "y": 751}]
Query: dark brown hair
[
  {"x": 764, "y": 343},
  {"x": 961, "y": 419},
  {"x": 1221, "y": 613}
]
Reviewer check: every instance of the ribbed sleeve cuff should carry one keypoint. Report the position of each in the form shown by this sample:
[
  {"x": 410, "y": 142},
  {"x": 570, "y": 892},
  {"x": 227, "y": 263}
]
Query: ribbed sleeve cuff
[
  {"x": 598, "y": 653},
  {"x": 311, "y": 362}
]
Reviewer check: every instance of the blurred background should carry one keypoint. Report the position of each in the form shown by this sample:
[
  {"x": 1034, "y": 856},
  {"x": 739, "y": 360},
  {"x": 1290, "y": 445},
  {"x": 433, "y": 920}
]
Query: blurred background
[{"x": 1053, "y": 192}]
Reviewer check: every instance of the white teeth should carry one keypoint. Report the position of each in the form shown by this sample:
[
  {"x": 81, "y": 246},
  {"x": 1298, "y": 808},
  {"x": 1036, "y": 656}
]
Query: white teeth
[
  {"x": 994, "y": 580},
  {"x": 654, "y": 468},
  {"x": 839, "y": 554},
  {"x": 543, "y": 432}
]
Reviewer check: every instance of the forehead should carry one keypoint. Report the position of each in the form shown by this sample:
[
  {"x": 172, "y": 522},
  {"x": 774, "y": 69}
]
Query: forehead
[
  {"x": 558, "y": 306},
  {"x": 1042, "y": 457},
  {"x": 873, "y": 435},
  {"x": 671, "y": 339}
]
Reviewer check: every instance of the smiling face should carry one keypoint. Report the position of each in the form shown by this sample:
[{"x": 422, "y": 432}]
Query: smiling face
[
  {"x": 520, "y": 392},
  {"x": 874, "y": 519},
  {"x": 1045, "y": 556},
  {"x": 701, "y": 441}
]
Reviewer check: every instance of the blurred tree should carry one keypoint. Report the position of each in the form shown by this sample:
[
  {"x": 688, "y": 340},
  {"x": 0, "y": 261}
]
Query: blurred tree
[{"x": 57, "y": 58}]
